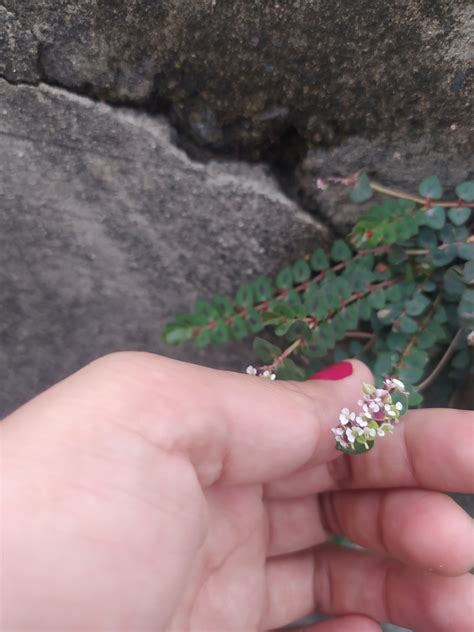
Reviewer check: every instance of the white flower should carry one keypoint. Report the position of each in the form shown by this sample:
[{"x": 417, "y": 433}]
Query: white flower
[
  {"x": 399, "y": 406},
  {"x": 345, "y": 411},
  {"x": 273, "y": 376},
  {"x": 380, "y": 432},
  {"x": 343, "y": 419},
  {"x": 251, "y": 370},
  {"x": 350, "y": 435},
  {"x": 398, "y": 384}
]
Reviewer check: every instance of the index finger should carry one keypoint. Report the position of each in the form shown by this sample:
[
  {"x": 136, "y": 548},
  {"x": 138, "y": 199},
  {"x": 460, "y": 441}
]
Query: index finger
[
  {"x": 431, "y": 449},
  {"x": 234, "y": 428}
]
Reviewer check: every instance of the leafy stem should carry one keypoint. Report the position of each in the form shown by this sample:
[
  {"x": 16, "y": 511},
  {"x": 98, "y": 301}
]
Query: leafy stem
[
  {"x": 313, "y": 322},
  {"x": 427, "y": 202}
]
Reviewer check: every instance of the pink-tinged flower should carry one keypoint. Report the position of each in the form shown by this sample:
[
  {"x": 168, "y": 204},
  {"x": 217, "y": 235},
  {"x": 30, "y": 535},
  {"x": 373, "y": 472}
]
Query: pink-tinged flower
[{"x": 377, "y": 418}]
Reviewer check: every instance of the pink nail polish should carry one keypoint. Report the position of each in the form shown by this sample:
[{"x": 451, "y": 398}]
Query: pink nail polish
[{"x": 337, "y": 371}]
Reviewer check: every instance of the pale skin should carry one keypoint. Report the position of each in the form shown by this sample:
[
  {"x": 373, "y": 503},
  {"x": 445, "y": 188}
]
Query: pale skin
[{"x": 145, "y": 494}]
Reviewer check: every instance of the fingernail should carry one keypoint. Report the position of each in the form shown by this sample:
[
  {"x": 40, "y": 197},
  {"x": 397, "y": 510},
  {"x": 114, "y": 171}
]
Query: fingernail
[{"x": 337, "y": 371}]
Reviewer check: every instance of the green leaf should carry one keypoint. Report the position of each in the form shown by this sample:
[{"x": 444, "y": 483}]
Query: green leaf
[
  {"x": 357, "y": 448},
  {"x": 397, "y": 256},
  {"x": 459, "y": 216},
  {"x": 397, "y": 341},
  {"x": 299, "y": 329},
  {"x": 220, "y": 333},
  {"x": 365, "y": 310},
  {"x": 465, "y": 190},
  {"x": 245, "y": 295},
  {"x": 316, "y": 347},
  {"x": 223, "y": 305},
  {"x": 436, "y": 217},
  {"x": 339, "y": 325},
  {"x": 383, "y": 364},
  {"x": 410, "y": 374},
  {"x": 327, "y": 335},
  {"x": 443, "y": 255},
  {"x": 319, "y": 260},
  {"x": 389, "y": 314},
  {"x": 426, "y": 339},
  {"x": 417, "y": 305},
  {"x": 417, "y": 357},
  {"x": 291, "y": 371},
  {"x": 362, "y": 190},
  {"x": 431, "y": 188},
  {"x": 427, "y": 238},
  {"x": 468, "y": 272},
  {"x": 282, "y": 329},
  {"x": 394, "y": 294},
  {"x": 466, "y": 307},
  {"x": 301, "y": 271},
  {"x": 408, "y": 325},
  {"x": 262, "y": 288},
  {"x": 294, "y": 302},
  {"x": 254, "y": 321},
  {"x": 340, "y": 251},
  {"x": 466, "y": 251},
  {"x": 175, "y": 334},
  {"x": 265, "y": 350},
  {"x": 414, "y": 398},
  {"x": 351, "y": 315},
  {"x": 377, "y": 299},
  {"x": 204, "y": 312},
  {"x": 203, "y": 338},
  {"x": 315, "y": 302},
  {"x": 401, "y": 398},
  {"x": 238, "y": 328},
  {"x": 284, "y": 280},
  {"x": 453, "y": 281}
]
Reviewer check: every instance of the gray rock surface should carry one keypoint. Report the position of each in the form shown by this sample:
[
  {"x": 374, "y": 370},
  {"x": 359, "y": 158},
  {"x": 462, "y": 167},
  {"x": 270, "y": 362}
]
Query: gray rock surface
[
  {"x": 109, "y": 230},
  {"x": 241, "y": 74},
  {"x": 402, "y": 164}
]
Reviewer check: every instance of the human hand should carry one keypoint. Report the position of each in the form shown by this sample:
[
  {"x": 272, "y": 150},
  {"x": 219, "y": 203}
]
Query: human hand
[{"x": 143, "y": 493}]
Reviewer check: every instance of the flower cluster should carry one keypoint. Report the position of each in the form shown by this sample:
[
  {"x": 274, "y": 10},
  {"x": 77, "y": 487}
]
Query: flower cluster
[
  {"x": 381, "y": 409},
  {"x": 260, "y": 372}
]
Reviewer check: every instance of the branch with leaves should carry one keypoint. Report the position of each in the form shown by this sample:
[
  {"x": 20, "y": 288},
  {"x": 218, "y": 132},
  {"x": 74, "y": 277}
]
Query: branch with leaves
[{"x": 398, "y": 292}]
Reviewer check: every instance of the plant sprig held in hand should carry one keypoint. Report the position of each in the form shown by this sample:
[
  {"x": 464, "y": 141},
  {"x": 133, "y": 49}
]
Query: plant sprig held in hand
[{"x": 397, "y": 293}]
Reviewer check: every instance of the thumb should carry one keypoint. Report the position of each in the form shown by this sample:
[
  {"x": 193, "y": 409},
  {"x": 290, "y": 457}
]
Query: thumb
[{"x": 234, "y": 428}]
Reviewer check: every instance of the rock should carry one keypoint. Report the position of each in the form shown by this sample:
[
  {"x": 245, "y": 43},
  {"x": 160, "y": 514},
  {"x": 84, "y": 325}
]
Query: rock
[
  {"x": 402, "y": 164},
  {"x": 239, "y": 75},
  {"x": 109, "y": 230}
]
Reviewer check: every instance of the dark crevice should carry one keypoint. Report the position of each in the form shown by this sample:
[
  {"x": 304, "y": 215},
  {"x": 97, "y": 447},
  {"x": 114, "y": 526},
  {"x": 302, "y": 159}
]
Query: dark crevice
[{"x": 282, "y": 155}]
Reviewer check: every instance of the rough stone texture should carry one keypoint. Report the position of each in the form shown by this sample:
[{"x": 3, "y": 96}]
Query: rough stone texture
[
  {"x": 109, "y": 230},
  {"x": 240, "y": 74},
  {"x": 402, "y": 164}
]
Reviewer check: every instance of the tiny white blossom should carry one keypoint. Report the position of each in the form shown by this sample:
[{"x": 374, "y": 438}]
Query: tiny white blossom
[
  {"x": 391, "y": 413},
  {"x": 345, "y": 411},
  {"x": 251, "y": 370},
  {"x": 350, "y": 435},
  {"x": 273, "y": 376},
  {"x": 399, "y": 406},
  {"x": 398, "y": 383}
]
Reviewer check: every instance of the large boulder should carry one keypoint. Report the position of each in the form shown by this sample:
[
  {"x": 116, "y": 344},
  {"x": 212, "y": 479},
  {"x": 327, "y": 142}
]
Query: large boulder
[
  {"x": 109, "y": 230},
  {"x": 244, "y": 75}
]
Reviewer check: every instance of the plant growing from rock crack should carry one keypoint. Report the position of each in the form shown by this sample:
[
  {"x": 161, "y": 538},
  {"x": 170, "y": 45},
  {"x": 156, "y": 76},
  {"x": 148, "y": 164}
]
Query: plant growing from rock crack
[{"x": 397, "y": 293}]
